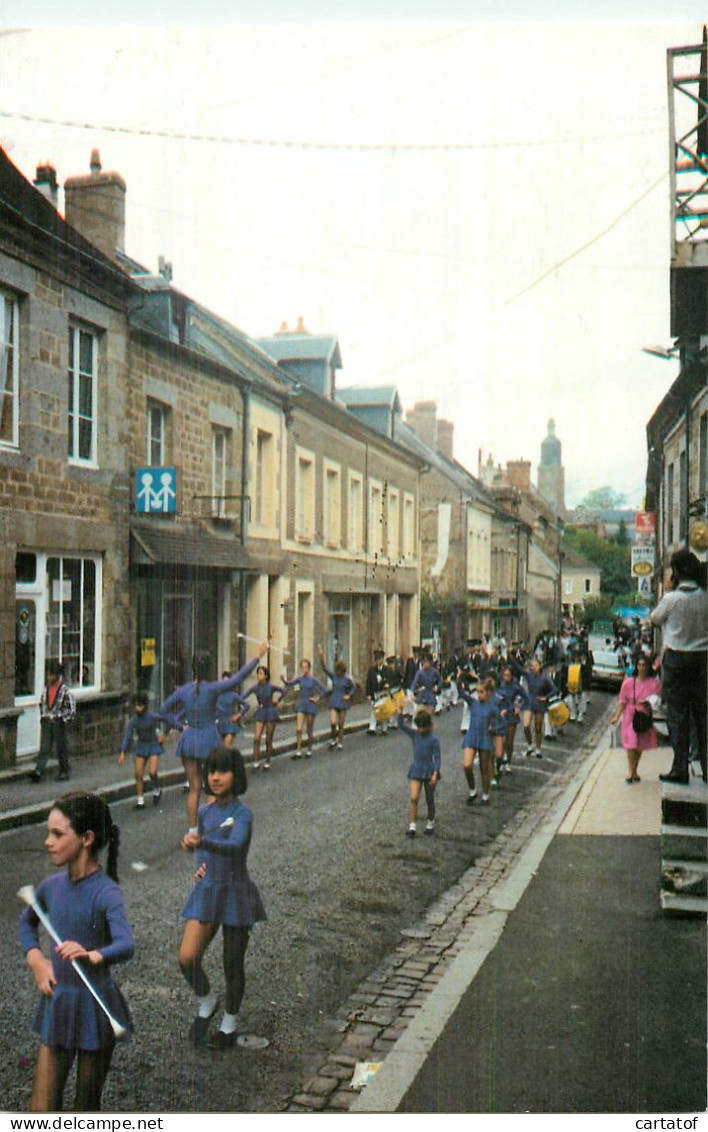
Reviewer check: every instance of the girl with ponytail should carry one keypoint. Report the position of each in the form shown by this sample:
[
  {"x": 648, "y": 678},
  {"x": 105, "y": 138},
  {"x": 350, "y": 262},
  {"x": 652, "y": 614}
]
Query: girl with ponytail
[{"x": 85, "y": 906}]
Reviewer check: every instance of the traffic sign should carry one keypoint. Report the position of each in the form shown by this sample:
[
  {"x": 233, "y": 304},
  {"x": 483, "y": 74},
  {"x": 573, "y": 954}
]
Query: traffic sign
[{"x": 644, "y": 585}]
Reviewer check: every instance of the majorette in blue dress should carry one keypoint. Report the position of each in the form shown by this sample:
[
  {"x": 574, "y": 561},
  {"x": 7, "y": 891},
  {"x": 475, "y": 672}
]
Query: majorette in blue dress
[
  {"x": 307, "y": 686},
  {"x": 229, "y": 704},
  {"x": 341, "y": 686},
  {"x": 508, "y": 697},
  {"x": 426, "y": 683},
  {"x": 91, "y": 912},
  {"x": 538, "y": 684},
  {"x": 266, "y": 712},
  {"x": 142, "y": 729},
  {"x": 226, "y": 894},
  {"x": 426, "y": 752},
  {"x": 197, "y": 702},
  {"x": 483, "y": 717}
]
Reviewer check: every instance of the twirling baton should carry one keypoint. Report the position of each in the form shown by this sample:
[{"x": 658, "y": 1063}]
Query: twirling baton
[{"x": 27, "y": 896}]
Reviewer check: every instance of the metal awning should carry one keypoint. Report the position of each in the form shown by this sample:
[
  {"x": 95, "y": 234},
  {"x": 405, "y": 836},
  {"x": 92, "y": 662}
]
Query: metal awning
[{"x": 187, "y": 546}]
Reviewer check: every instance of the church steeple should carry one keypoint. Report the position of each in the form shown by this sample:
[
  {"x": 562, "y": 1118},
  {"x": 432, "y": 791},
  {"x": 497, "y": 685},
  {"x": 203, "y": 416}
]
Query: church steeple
[{"x": 551, "y": 475}]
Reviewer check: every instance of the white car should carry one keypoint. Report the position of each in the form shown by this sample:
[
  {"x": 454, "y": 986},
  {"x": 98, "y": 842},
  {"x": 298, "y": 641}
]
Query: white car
[{"x": 607, "y": 669}]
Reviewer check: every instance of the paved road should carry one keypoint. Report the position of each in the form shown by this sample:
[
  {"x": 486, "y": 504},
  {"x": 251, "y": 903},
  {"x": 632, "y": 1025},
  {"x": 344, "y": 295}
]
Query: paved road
[{"x": 339, "y": 879}]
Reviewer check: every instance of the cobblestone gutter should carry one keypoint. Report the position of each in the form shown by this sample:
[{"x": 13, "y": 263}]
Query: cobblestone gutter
[{"x": 382, "y": 1007}]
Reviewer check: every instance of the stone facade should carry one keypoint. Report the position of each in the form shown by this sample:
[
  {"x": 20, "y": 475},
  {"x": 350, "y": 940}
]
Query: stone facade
[{"x": 63, "y": 473}]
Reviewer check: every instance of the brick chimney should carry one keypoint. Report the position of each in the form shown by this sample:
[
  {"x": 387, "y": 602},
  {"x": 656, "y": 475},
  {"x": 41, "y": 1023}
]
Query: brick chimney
[
  {"x": 422, "y": 418},
  {"x": 46, "y": 182},
  {"x": 518, "y": 474},
  {"x": 446, "y": 432},
  {"x": 95, "y": 206}
]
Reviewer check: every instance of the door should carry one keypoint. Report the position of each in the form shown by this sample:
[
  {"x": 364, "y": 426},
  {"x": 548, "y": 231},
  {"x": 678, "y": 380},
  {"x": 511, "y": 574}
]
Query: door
[
  {"x": 29, "y": 668},
  {"x": 177, "y": 640}
]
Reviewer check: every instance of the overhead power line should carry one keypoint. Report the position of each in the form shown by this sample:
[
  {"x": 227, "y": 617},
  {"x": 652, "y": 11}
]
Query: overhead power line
[{"x": 347, "y": 147}]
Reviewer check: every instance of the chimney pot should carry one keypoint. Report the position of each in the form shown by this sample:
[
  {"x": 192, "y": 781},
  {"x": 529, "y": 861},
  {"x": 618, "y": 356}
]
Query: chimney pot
[
  {"x": 283, "y": 328},
  {"x": 95, "y": 161},
  {"x": 301, "y": 328}
]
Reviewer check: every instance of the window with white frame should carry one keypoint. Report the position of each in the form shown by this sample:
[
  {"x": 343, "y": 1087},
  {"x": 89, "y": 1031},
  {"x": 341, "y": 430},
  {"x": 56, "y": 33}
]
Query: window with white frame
[
  {"x": 376, "y": 518},
  {"x": 264, "y": 487},
  {"x": 568, "y": 586},
  {"x": 393, "y": 524},
  {"x": 305, "y": 497},
  {"x": 219, "y": 465},
  {"x": 408, "y": 526},
  {"x": 9, "y": 370},
  {"x": 74, "y": 617},
  {"x": 83, "y": 383},
  {"x": 158, "y": 416},
  {"x": 332, "y": 504},
  {"x": 355, "y": 513}
]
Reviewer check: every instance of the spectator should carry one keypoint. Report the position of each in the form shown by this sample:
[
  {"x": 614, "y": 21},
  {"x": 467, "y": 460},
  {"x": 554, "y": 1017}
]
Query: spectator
[
  {"x": 56, "y": 711},
  {"x": 639, "y": 695},
  {"x": 682, "y": 615}
]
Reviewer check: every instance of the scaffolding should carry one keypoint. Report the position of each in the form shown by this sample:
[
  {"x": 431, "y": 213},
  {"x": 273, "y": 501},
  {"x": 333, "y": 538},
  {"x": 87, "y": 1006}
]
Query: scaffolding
[{"x": 688, "y": 131}]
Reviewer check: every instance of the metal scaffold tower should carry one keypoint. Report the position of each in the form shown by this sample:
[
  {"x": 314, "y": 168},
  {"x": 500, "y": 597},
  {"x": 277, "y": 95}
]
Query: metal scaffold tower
[{"x": 688, "y": 125}]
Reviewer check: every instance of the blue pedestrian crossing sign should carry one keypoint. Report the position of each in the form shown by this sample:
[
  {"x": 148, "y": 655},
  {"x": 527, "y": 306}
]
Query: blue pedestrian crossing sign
[{"x": 156, "y": 491}]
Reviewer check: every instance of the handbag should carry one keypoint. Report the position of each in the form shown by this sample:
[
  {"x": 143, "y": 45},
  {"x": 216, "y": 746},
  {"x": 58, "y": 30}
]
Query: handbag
[{"x": 642, "y": 721}]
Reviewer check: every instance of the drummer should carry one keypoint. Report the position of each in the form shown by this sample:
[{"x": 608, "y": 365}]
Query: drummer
[{"x": 377, "y": 687}]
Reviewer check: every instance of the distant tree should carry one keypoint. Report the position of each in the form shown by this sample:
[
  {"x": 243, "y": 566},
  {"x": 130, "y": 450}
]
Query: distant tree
[
  {"x": 594, "y": 609},
  {"x": 621, "y": 538},
  {"x": 601, "y": 499},
  {"x": 613, "y": 561}
]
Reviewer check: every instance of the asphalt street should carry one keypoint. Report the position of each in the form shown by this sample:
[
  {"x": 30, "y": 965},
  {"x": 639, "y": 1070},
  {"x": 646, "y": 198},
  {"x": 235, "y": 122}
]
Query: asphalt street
[{"x": 339, "y": 880}]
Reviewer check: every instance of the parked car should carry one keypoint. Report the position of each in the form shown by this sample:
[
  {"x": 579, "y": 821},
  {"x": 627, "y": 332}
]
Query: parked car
[{"x": 607, "y": 669}]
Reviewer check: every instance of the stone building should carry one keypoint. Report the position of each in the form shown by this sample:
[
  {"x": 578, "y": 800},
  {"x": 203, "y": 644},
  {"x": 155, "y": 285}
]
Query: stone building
[
  {"x": 64, "y": 484},
  {"x": 166, "y": 487},
  {"x": 470, "y": 584},
  {"x": 580, "y": 581},
  {"x": 512, "y": 489}
]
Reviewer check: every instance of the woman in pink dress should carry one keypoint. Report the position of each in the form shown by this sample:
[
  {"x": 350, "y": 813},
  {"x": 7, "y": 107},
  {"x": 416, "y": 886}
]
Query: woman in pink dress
[{"x": 640, "y": 692}]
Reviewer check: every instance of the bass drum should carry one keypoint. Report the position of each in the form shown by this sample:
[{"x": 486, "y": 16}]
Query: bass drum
[{"x": 558, "y": 714}]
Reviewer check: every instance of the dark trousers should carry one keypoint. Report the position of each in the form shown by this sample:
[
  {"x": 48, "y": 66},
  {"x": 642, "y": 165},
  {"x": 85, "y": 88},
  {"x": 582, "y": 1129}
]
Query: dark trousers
[
  {"x": 684, "y": 677},
  {"x": 53, "y": 741}
]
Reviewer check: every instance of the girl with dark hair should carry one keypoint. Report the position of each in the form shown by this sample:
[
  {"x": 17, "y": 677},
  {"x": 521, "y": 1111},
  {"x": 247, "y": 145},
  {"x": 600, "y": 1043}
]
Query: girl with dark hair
[
  {"x": 639, "y": 695},
  {"x": 266, "y": 715},
  {"x": 224, "y": 895},
  {"x": 195, "y": 703},
  {"x": 85, "y": 906}
]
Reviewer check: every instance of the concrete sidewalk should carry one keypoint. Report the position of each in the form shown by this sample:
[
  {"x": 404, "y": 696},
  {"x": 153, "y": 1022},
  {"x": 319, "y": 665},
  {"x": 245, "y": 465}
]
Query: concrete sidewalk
[
  {"x": 575, "y": 993},
  {"x": 23, "y": 802}
]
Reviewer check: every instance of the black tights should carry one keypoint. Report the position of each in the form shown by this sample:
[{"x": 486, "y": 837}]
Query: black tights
[{"x": 235, "y": 942}]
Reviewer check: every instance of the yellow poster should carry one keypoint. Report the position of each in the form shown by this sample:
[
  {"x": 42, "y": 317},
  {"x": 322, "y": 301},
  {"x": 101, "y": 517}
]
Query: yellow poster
[{"x": 147, "y": 652}]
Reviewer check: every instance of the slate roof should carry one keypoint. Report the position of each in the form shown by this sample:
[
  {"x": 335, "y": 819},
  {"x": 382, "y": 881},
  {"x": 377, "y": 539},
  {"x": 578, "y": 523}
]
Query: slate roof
[
  {"x": 302, "y": 348},
  {"x": 360, "y": 396}
]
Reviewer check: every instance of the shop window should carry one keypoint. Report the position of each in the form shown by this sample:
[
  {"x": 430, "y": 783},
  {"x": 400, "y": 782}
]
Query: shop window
[{"x": 72, "y": 618}]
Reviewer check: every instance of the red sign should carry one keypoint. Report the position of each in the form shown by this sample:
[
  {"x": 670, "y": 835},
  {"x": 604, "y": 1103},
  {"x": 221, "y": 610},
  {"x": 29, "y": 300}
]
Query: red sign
[{"x": 645, "y": 522}]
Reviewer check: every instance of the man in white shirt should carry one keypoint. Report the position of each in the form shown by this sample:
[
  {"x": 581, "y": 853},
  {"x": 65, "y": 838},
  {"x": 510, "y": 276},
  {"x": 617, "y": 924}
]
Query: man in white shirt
[{"x": 682, "y": 615}]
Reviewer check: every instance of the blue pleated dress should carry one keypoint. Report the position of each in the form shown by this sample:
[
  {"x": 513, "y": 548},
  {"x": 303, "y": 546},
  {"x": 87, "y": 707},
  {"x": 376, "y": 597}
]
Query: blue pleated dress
[
  {"x": 226, "y": 894},
  {"x": 91, "y": 912}
]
